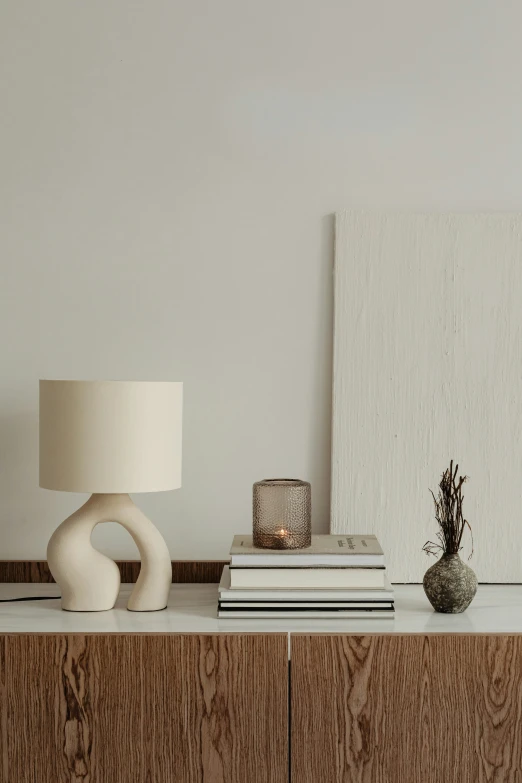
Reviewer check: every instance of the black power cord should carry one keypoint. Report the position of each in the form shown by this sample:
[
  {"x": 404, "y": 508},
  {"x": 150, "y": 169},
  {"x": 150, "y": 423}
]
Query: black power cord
[{"x": 31, "y": 598}]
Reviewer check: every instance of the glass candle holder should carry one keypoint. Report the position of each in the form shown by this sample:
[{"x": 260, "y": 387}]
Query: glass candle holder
[{"x": 282, "y": 514}]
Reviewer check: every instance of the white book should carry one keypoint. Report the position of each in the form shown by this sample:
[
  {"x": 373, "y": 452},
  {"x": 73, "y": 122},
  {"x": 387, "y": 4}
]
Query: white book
[
  {"x": 326, "y": 550},
  {"x": 305, "y": 605},
  {"x": 261, "y": 594},
  {"x": 308, "y": 614},
  {"x": 307, "y": 578}
]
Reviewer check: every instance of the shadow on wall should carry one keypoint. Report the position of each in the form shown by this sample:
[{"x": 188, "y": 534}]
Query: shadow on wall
[
  {"x": 19, "y": 492},
  {"x": 321, "y": 408},
  {"x": 28, "y": 514}
]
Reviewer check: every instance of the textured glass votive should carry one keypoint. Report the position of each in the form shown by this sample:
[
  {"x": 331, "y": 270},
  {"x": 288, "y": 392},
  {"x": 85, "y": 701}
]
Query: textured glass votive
[{"x": 282, "y": 514}]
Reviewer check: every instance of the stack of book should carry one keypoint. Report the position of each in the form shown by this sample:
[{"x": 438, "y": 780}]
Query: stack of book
[{"x": 337, "y": 576}]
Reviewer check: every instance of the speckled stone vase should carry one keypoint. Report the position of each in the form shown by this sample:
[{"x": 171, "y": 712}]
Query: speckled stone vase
[{"x": 450, "y": 585}]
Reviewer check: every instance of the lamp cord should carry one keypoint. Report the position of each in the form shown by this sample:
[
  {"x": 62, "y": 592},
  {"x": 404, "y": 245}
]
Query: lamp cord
[{"x": 31, "y": 598}]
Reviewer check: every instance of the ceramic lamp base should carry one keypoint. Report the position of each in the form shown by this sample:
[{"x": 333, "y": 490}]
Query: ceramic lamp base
[{"x": 89, "y": 580}]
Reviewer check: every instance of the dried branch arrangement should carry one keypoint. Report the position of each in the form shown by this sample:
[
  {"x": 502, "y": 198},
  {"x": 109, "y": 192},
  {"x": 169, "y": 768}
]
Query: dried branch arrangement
[{"x": 448, "y": 513}]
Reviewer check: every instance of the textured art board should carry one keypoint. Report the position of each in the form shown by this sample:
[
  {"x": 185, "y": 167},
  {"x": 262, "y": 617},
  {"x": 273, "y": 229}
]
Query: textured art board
[{"x": 428, "y": 367}]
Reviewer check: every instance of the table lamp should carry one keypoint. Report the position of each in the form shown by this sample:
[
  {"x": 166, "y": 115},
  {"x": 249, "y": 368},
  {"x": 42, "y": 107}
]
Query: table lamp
[{"x": 109, "y": 438}]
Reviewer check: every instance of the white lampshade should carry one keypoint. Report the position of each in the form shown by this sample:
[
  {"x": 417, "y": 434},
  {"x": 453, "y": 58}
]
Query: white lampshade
[{"x": 110, "y": 436}]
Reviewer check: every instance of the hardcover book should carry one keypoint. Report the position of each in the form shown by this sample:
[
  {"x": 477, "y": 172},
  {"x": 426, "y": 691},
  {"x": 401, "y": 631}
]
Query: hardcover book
[
  {"x": 323, "y": 614},
  {"x": 304, "y": 594},
  {"x": 326, "y": 550},
  {"x": 307, "y": 578}
]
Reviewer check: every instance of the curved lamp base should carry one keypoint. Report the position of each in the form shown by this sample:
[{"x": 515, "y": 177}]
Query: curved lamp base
[{"x": 89, "y": 580}]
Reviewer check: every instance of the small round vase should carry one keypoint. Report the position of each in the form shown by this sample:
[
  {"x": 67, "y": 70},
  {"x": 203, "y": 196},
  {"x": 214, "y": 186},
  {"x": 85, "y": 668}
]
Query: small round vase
[{"x": 450, "y": 585}]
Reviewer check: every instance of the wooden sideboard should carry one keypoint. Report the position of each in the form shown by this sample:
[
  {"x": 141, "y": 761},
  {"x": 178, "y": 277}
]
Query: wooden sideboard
[
  {"x": 180, "y": 696},
  {"x": 407, "y": 709},
  {"x": 135, "y": 707}
]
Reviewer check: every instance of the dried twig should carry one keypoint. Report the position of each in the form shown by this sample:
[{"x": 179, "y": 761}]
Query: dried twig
[{"x": 448, "y": 513}]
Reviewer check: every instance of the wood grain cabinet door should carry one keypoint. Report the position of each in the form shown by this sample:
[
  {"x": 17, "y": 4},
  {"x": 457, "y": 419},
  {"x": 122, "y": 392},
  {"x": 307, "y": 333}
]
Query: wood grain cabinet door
[
  {"x": 144, "y": 709},
  {"x": 406, "y": 709}
]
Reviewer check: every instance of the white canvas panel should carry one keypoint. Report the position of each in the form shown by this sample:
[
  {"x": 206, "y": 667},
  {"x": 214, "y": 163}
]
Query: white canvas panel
[{"x": 428, "y": 367}]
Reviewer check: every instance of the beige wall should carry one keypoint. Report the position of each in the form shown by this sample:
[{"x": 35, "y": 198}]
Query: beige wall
[{"x": 168, "y": 171}]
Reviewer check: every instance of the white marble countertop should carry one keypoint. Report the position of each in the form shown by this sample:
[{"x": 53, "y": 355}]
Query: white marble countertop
[{"x": 192, "y": 609}]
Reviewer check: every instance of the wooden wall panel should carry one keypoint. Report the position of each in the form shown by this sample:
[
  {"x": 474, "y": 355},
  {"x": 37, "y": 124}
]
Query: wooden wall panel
[
  {"x": 183, "y": 571},
  {"x": 25, "y": 571},
  {"x": 136, "y": 708},
  {"x": 406, "y": 709}
]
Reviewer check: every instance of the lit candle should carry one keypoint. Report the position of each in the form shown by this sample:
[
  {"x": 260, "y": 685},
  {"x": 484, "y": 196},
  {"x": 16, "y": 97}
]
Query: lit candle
[{"x": 281, "y": 539}]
